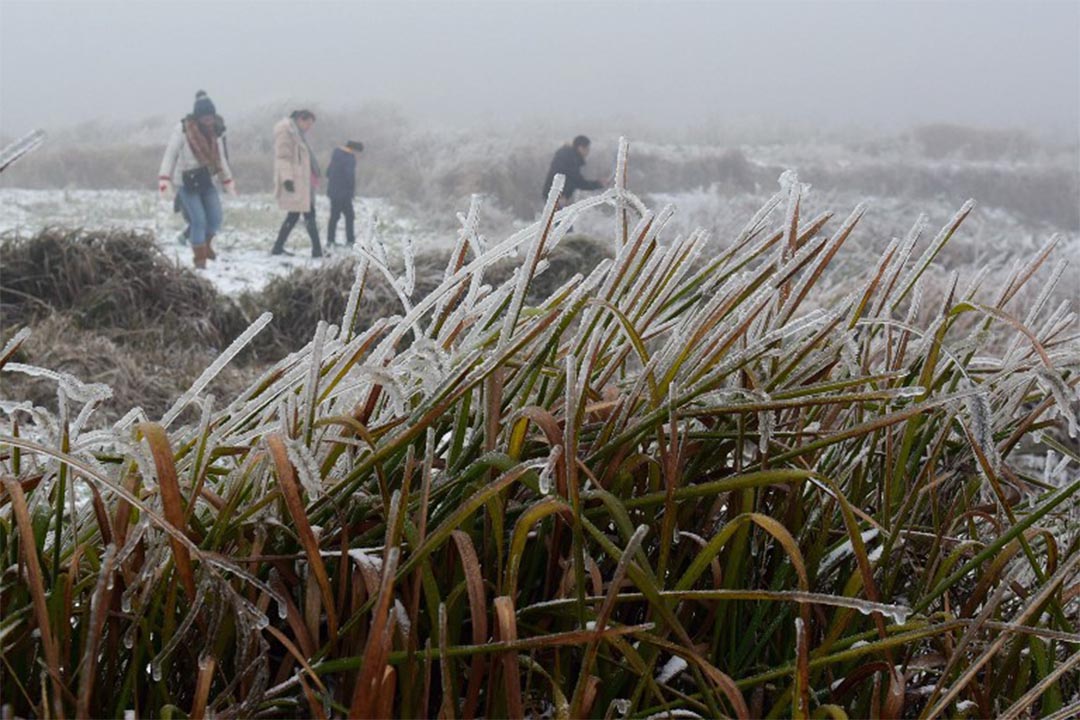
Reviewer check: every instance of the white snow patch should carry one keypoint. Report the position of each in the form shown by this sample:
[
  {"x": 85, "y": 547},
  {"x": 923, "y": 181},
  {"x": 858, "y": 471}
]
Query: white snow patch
[{"x": 671, "y": 668}]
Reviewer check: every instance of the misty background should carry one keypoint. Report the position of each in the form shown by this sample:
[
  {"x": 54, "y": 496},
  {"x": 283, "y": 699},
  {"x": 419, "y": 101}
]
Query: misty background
[
  {"x": 880, "y": 65},
  {"x": 905, "y": 101}
]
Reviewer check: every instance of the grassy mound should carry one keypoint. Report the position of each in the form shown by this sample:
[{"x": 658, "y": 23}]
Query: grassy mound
[
  {"x": 662, "y": 488},
  {"x": 110, "y": 307},
  {"x": 307, "y": 296},
  {"x": 111, "y": 281}
]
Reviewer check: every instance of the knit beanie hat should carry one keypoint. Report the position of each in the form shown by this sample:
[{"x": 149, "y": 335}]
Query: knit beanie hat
[{"x": 203, "y": 105}]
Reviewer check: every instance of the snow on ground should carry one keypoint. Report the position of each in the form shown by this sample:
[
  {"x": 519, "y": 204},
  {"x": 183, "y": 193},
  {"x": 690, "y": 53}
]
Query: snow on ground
[
  {"x": 989, "y": 235},
  {"x": 243, "y": 245}
]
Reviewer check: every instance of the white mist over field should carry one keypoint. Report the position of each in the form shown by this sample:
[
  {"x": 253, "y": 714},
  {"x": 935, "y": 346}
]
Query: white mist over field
[{"x": 669, "y": 65}]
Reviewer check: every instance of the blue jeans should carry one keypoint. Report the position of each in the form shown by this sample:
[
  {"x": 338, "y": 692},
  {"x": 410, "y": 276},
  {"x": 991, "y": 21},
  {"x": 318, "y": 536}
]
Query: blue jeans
[{"x": 204, "y": 212}]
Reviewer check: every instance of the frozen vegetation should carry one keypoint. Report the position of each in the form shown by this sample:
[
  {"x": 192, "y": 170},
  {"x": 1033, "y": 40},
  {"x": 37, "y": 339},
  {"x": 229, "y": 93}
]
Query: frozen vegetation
[{"x": 795, "y": 463}]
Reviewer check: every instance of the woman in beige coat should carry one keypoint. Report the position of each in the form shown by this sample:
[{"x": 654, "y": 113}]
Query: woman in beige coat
[{"x": 296, "y": 173}]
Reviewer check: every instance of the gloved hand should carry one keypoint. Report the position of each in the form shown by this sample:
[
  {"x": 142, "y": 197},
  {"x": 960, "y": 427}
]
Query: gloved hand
[
  {"x": 230, "y": 187},
  {"x": 289, "y": 186},
  {"x": 164, "y": 189}
]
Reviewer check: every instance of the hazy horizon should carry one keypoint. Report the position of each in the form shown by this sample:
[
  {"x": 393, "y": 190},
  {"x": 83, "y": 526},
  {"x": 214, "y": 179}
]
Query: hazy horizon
[{"x": 830, "y": 65}]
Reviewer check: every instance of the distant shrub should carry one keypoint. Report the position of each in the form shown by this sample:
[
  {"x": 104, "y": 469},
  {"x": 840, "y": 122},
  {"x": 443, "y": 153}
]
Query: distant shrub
[{"x": 944, "y": 140}]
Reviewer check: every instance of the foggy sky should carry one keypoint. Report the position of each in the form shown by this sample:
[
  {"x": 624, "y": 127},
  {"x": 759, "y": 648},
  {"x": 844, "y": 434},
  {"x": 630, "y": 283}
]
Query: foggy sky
[{"x": 878, "y": 65}]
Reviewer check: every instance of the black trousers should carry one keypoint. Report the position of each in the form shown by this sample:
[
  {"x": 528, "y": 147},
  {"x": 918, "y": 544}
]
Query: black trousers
[
  {"x": 309, "y": 222},
  {"x": 337, "y": 209}
]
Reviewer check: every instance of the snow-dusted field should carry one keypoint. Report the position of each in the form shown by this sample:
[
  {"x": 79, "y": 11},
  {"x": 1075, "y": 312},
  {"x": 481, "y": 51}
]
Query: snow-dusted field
[
  {"x": 990, "y": 236},
  {"x": 243, "y": 246}
]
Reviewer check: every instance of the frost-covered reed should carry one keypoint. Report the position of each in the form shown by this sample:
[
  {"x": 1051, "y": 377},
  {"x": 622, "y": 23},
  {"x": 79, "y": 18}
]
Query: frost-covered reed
[{"x": 674, "y": 485}]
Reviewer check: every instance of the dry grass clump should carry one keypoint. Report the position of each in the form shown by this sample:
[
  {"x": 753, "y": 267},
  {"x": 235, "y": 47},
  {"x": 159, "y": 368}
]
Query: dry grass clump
[
  {"x": 574, "y": 254},
  {"x": 664, "y": 489},
  {"x": 110, "y": 307},
  {"x": 111, "y": 281},
  {"x": 150, "y": 374},
  {"x": 306, "y": 296}
]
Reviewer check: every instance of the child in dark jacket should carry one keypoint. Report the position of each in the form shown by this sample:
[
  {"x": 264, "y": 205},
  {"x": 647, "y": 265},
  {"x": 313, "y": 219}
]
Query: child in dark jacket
[{"x": 341, "y": 189}]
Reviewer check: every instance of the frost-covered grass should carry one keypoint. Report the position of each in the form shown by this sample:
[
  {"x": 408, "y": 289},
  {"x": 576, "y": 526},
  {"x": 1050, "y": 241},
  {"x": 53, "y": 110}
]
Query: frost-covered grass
[{"x": 671, "y": 486}]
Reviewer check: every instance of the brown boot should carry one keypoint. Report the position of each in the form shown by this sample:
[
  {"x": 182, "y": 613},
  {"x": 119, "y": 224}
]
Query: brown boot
[
  {"x": 210, "y": 254},
  {"x": 200, "y": 256}
]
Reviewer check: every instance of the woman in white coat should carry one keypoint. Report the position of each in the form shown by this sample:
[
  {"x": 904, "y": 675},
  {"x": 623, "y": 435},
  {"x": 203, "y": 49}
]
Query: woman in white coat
[
  {"x": 194, "y": 156},
  {"x": 296, "y": 173}
]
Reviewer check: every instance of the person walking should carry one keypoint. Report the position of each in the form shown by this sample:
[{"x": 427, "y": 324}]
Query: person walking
[
  {"x": 568, "y": 161},
  {"x": 296, "y": 176},
  {"x": 194, "y": 157},
  {"x": 341, "y": 189},
  {"x": 178, "y": 207}
]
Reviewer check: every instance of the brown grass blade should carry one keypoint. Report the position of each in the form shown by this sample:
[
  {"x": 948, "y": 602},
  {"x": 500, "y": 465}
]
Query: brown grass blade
[
  {"x": 1033, "y": 606},
  {"x": 35, "y": 583},
  {"x": 719, "y": 678},
  {"x": 202, "y": 688},
  {"x": 385, "y": 704},
  {"x": 293, "y": 617},
  {"x": 101, "y": 515},
  {"x": 580, "y": 703},
  {"x": 507, "y": 632},
  {"x": 592, "y": 688},
  {"x": 314, "y": 705},
  {"x": 377, "y": 649},
  {"x": 474, "y": 585},
  {"x": 1022, "y": 706},
  {"x": 171, "y": 498},
  {"x": 791, "y": 234},
  {"x": 290, "y": 490},
  {"x": 894, "y": 698},
  {"x": 12, "y": 346}
]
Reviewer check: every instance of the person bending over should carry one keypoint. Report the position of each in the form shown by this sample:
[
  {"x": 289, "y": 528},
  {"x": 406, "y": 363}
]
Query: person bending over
[{"x": 568, "y": 161}]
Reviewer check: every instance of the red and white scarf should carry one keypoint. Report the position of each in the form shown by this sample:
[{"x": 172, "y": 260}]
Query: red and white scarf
[{"x": 203, "y": 144}]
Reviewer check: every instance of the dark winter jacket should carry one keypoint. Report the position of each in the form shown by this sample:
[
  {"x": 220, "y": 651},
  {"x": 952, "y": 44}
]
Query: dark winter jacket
[
  {"x": 341, "y": 175},
  {"x": 568, "y": 162}
]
